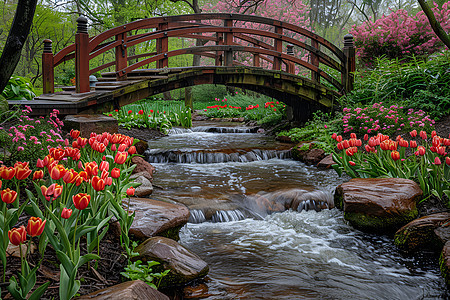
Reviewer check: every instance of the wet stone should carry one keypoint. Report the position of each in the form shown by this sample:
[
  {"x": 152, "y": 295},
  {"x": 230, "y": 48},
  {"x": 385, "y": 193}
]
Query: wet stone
[
  {"x": 326, "y": 162},
  {"x": 130, "y": 290},
  {"x": 86, "y": 124},
  {"x": 378, "y": 204},
  {"x": 154, "y": 217},
  {"x": 184, "y": 265},
  {"x": 423, "y": 233},
  {"x": 145, "y": 188}
]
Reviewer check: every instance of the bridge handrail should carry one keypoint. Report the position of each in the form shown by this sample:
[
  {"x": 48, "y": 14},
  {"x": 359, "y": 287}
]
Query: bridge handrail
[{"x": 86, "y": 48}]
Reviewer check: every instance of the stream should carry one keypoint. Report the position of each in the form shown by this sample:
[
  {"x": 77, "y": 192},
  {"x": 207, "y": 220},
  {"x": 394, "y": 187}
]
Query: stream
[{"x": 238, "y": 185}]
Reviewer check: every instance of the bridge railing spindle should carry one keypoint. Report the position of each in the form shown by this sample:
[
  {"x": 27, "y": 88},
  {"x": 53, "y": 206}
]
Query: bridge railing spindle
[
  {"x": 219, "y": 41},
  {"x": 278, "y": 45},
  {"x": 290, "y": 65},
  {"x": 121, "y": 56},
  {"x": 228, "y": 40},
  {"x": 48, "y": 73},
  {"x": 349, "y": 63},
  {"x": 315, "y": 76},
  {"x": 82, "y": 56},
  {"x": 162, "y": 46}
]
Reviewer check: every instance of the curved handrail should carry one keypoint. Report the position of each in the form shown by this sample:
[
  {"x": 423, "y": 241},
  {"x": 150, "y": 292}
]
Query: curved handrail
[{"x": 193, "y": 26}]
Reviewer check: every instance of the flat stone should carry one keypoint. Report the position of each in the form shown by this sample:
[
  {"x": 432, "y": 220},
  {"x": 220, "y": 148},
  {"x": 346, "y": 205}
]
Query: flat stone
[
  {"x": 444, "y": 263},
  {"x": 146, "y": 187},
  {"x": 142, "y": 166},
  {"x": 378, "y": 204},
  {"x": 326, "y": 162},
  {"x": 86, "y": 124},
  {"x": 184, "y": 265},
  {"x": 129, "y": 290},
  {"x": 421, "y": 233},
  {"x": 154, "y": 217}
]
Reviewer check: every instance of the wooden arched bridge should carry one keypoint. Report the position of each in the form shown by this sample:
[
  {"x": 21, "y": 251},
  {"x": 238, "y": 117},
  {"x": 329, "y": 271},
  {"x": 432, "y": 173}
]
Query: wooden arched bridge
[{"x": 271, "y": 57}]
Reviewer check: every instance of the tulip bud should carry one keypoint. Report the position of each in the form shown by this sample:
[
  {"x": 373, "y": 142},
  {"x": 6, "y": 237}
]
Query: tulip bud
[
  {"x": 66, "y": 213},
  {"x": 130, "y": 191},
  {"x": 17, "y": 235},
  {"x": 35, "y": 226}
]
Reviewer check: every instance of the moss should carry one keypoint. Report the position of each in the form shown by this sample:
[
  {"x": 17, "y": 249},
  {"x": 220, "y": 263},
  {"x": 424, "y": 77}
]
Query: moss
[
  {"x": 413, "y": 239},
  {"x": 444, "y": 269},
  {"x": 385, "y": 225},
  {"x": 339, "y": 198},
  {"x": 171, "y": 233}
]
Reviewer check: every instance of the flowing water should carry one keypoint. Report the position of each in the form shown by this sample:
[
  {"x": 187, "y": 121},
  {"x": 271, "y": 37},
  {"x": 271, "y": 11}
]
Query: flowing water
[{"x": 239, "y": 186}]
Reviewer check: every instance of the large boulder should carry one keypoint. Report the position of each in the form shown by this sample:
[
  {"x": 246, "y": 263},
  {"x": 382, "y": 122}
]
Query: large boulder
[
  {"x": 87, "y": 123},
  {"x": 378, "y": 204},
  {"x": 326, "y": 162},
  {"x": 423, "y": 233},
  {"x": 183, "y": 264},
  {"x": 444, "y": 263},
  {"x": 314, "y": 156},
  {"x": 129, "y": 290},
  {"x": 154, "y": 217}
]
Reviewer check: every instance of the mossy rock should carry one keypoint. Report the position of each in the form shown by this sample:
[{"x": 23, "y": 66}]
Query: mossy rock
[
  {"x": 299, "y": 150},
  {"x": 444, "y": 263},
  {"x": 383, "y": 225},
  {"x": 3, "y": 105}
]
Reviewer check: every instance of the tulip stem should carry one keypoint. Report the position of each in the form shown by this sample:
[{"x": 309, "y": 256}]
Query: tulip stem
[
  {"x": 4, "y": 234},
  {"x": 75, "y": 233}
]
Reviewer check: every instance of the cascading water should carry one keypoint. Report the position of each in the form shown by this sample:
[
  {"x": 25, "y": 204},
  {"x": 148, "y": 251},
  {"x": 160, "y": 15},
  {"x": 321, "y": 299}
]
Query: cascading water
[{"x": 264, "y": 228}]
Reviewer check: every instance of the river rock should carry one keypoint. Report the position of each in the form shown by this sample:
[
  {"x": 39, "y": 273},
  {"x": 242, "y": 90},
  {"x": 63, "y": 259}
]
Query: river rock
[
  {"x": 422, "y": 233},
  {"x": 141, "y": 146},
  {"x": 142, "y": 166},
  {"x": 146, "y": 187},
  {"x": 183, "y": 264},
  {"x": 444, "y": 263},
  {"x": 378, "y": 204},
  {"x": 129, "y": 290},
  {"x": 326, "y": 162},
  {"x": 154, "y": 217},
  {"x": 314, "y": 156}
]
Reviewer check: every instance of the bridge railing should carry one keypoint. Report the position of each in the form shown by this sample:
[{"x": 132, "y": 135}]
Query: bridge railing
[{"x": 228, "y": 35}]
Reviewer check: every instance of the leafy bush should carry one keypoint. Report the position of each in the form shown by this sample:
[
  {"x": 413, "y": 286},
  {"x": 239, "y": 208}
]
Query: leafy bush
[
  {"x": 19, "y": 88},
  {"x": 400, "y": 35},
  {"x": 208, "y": 92},
  {"x": 418, "y": 84}
]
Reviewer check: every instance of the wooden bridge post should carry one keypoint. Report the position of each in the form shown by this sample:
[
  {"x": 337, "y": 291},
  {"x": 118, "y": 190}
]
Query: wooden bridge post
[
  {"x": 315, "y": 76},
  {"x": 228, "y": 40},
  {"x": 121, "y": 56},
  {"x": 350, "y": 63},
  {"x": 82, "y": 56},
  {"x": 219, "y": 41},
  {"x": 48, "y": 74},
  {"x": 162, "y": 46},
  {"x": 290, "y": 65},
  {"x": 278, "y": 45}
]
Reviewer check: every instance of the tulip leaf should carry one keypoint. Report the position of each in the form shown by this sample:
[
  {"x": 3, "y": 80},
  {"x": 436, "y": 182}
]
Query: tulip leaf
[
  {"x": 37, "y": 294},
  {"x": 65, "y": 262}
]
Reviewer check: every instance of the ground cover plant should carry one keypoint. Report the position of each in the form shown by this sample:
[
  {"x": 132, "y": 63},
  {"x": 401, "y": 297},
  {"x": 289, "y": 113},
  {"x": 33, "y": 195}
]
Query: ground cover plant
[
  {"x": 159, "y": 114},
  {"x": 68, "y": 197}
]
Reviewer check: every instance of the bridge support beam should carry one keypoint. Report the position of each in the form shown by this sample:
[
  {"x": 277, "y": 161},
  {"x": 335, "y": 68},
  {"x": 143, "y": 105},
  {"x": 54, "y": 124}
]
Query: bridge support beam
[
  {"x": 228, "y": 40},
  {"x": 162, "y": 47},
  {"x": 350, "y": 63},
  {"x": 121, "y": 56}
]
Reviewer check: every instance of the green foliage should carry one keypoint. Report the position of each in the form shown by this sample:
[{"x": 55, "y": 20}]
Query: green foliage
[
  {"x": 416, "y": 84},
  {"x": 19, "y": 88},
  {"x": 156, "y": 114},
  {"x": 318, "y": 130},
  {"x": 207, "y": 92},
  {"x": 139, "y": 271}
]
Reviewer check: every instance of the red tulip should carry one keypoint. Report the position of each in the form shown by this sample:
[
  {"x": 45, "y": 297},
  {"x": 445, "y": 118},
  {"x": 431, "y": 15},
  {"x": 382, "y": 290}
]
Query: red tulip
[
  {"x": 91, "y": 169},
  {"x": 57, "y": 172},
  {"x": 81, "y": 200},
  {"x": 353, "y": 135},
  {"x": 141, "y": 112},
  {"x": 66, "y": 213},
  {"x": 40, "y": 163},
  {"x": 333, "y": 136},
  {"x": 22, "y": 173},
  {"x": 8, "y": 196},
  {"x": 395, "y": 155},
  {"x": 38, "y": 175},
  {"x": 7, "y": 173},
  {"x": 437, "y": 161},
  {"x": 339, "y": 138},
  {"x": 35, "y": 226},
  {"x": 130, "y": 191},
  {"x": 413, "y": 144},
  {"x": 421, "y": 150},
  {"x": 340, "y": 146},
  {"x": 113, "y": 147},
  {"x": 74, "y": 133},
  {"x": 423, "y": 135},
  {"x": 115, "y": 173},
  {"x": 132, "y": 150},
  {"x": 104, "y": 165},
  {"x": 130, "y": 111},
  {"x": 122, "y": 147},
  {"x": 17, "y": 235},
  {"x": 413, "y": 133},
  {"x": 120, "y": 157},
  {"x": 109, "y": 181},
  {"x": 351, "y": 163},
  {"x": 366, "y": 137},
  {"x": 98, "y": 184}
]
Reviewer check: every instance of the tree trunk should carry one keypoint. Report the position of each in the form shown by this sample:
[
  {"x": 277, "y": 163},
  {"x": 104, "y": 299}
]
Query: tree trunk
[
  {"x": 20, "y": 29},
  {"x": 437, "y": 28}
]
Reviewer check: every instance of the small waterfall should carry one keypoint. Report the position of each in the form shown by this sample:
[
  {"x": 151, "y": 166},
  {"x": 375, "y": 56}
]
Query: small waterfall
[
  {"x": 176, "y": 130},
  {"x": 196, "y": 216},
  {"x": 168, "y": 156},
  {"x": 225, "y": 129},
  {"x": 227, "y": 216}
]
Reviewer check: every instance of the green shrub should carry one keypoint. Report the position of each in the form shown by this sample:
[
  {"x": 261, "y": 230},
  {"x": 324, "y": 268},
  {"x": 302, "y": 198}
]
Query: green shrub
[
  {"x": 19, "y": 88},
  {"x": 208, "y": 92}
]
